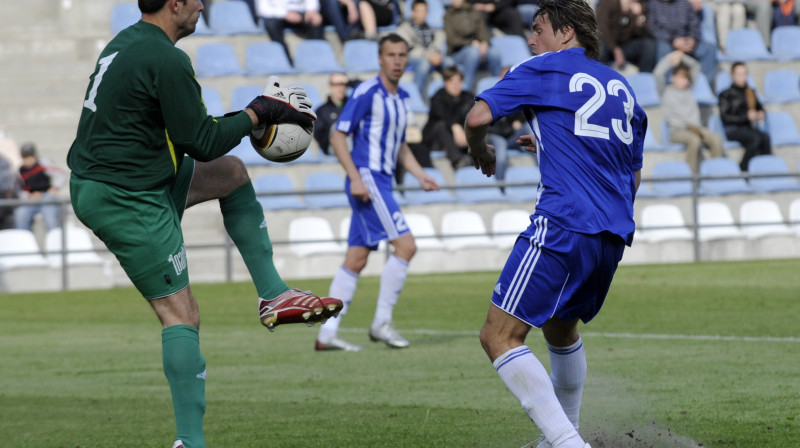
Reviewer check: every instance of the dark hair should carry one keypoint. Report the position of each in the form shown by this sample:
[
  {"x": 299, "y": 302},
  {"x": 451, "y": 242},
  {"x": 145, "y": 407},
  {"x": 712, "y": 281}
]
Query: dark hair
[
  {"x": 391, "y": 37},
  {"x": 416, "y": 2},
  {"x": 576, "y": 14},
  {"x": 451, "y": 71},
  {"x": 682, "y": 68},
  {"x": 737, "y": 64},
  {"x": 151, "y": 6}
]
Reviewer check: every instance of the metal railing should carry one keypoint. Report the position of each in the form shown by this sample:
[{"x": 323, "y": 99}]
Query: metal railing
[{"x": 228, "y": 246}]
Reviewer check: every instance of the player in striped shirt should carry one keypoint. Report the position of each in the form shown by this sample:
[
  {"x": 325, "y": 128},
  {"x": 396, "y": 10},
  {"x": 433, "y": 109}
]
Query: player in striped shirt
[
  {"x": 375, "y": 116},
  {"x": 588, "y": 132}
]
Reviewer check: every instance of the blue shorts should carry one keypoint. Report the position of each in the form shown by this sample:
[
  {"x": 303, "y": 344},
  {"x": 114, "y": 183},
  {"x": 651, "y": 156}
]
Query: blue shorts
[
  {"x": 380, "y": 218},
  {"x": 556, "y": 272}
]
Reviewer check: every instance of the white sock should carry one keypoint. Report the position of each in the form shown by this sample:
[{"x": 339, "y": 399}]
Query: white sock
[
  {"x": 343, "y": 287},
  {"x": 527, "y": 379},
  {"x": 393, "y": 278},
  {"x": 568, "y": 373}
]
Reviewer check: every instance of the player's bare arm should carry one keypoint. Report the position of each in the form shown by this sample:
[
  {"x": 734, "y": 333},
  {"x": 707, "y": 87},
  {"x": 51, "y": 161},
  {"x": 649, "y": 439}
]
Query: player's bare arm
[
  {"x": 339, "y": 144},
  {"x": 476, "y": 126},
  {"x": 410, "y": 163}
]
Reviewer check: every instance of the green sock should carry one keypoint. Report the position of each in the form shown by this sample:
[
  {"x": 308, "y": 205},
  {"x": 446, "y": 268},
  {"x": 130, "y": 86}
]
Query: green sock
[
  {"x": 245, "y": 223},
  {"x": 185, "y": 370}
]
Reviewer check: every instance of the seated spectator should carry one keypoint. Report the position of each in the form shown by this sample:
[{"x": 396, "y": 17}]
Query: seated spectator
[
  {"x": 675, "y": 25},
  {"x": 468, "y": 41},
  {"x": 783, "y": 13},
  {"x": 625, "y": 35},
  {"x": 302, "y": 16},
  {"x": 501, "y": 14},
  {"x": 728, "y": 15},
  {"x": 681, "y": 109},
  {"x": 761, "y": 11},
  {"x": 377, "y": 13},
  {"x": 743, "y": 116},
  {"x": 444, "y": 130},
  {"x": 425, "y": 44},
  {"x": 8, "y": 182},
  {"x": 328, "y": 113},
  {"x": 36, "y": 185}
]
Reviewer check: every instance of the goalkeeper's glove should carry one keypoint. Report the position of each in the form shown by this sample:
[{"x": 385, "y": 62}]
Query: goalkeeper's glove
[{"x": 283, "y": 105}]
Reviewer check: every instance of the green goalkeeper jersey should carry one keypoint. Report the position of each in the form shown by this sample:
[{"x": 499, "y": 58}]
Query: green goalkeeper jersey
[{"x": 143, "y": 112}]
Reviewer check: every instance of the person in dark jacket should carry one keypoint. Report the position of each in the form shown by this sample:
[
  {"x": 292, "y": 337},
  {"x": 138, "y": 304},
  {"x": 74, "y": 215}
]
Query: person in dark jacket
[
  {"x": 743, "y": 115},
  {"x": 444, "y": 130},
  {"x": 328, "y": 113}
]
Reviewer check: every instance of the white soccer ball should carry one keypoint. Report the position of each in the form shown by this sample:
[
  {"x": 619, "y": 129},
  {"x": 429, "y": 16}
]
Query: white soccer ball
[{"x": 281, "y": 142}]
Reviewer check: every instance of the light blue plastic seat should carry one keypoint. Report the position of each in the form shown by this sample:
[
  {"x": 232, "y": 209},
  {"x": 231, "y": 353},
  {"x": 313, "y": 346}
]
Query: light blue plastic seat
[
  {"x": 277, "y": 183},
  {"x": 315, "y": 56},
  {"x": 124, "y": 15},
  {"x": 522, "y": 173},
  {"x": 213, "y": 102},
  {"x": 484, "y": 83},
  {"x": 513, "y": 49},
  {"x": 360, "y": 56},
  {"x": 645, "y": 89},
  {"x": 267, "y": 58},
  {"x": 703, "y": 92},
  {"x": 245, "y": 152},
  {"x": 770, "y": 164},
  {"x": 781, "y": 86},
  {"x": 217, "y": 59},
  {"x": 721, "y": 167},
  {"x": 746, "y": 44},
  {"x": 782, "y": 129},
  {"x": 231, "y": 17},
  {"x": 241, "y": 96},
  {"x": 434, "y": 86},
  {"x": 325, "y": 180},
  {"x": 418, "y": 105},
  {"x": 672, "y": 169},
  {"x": 419, "y": 197},
  {"x": 468, "y": 175},
  {"x": 784, "y": 43}
]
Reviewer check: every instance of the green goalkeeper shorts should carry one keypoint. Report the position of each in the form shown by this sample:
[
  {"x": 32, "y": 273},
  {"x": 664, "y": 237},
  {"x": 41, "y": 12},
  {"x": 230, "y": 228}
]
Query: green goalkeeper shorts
[{"x": 141, "y": 228}]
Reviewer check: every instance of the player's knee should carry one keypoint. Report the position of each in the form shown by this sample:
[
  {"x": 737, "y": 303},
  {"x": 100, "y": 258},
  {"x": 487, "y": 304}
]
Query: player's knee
[{"x": 237, "y": 170}]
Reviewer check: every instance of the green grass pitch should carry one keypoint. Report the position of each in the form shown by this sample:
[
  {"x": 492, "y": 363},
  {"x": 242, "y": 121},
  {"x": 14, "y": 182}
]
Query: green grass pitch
[{"x": 681, "y": 356}]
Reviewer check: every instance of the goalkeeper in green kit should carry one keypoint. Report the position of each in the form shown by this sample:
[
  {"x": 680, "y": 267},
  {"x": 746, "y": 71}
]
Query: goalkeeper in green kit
[{"x": 145, "y": 150}]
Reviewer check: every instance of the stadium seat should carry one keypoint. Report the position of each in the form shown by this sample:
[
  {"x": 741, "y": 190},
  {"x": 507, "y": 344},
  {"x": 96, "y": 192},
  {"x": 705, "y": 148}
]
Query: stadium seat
[
  {"x": 522, "y": 173},
  {"x": 231, "y": 17},
  {"x": 507, "y": 225},
  {"x": 715, "y": 125},
  {"x": 245, "y": 152},
  {"x": 316, "y": 56},
  {"x": 313, "y": 235},
  {"x": 202, "y": 28},
  {"x": 468, "y": 175},
  {"x": 782, "y": 129},
  {"x": 418, "y": 105},
  {"x": 513, "y": 49},
  {"x": 277, "y": 183},
  {"x": 703, "y": 92},
  {"x": 23, "y": 243},
  {"x": 651, "y": 143},
  {"x": 781, "y": 86},
  {"x": 784, "y": 43},
  {"x": 434, "y": 85},
  {"x": 360, "y": 56},
  {"x": 242, "y": 95},
  {"x": 708, "y": 26},
  {"x": 663, "y": 222},
  {"x": 745, "y": 44},
  {"x": 672, "y": 169},
  {"x": 217, "y": 59},
  {"x": 313, "y": 94},
  {"x": 794, "y": 215},
  {"x": 462, "y": 229},
  {"x": 722, "y": 167},
  {"x": 484, "y": 83},
  {"x": 420, "y": 197},
  {"x": 213, "y": 102},
  {"x": 80, "y": 250},
  {"x": 715, "y": 222},
  {"x": 645, "y": 190},
  {"x": 761, "y": 218},
  {"x": 770, "y": 164},
  {"x": 267, "y": 58},
  {"x": 325, "y": 180},
  {"x": 124, "y": 15},
  {"x": 644, "y": 87},
  {"x": 424, "y": 232}
]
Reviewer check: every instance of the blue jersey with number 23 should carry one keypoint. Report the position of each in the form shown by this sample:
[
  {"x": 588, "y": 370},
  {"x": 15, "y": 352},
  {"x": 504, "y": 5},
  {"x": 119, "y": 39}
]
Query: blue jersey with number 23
[{"x": 589, "y": 133}]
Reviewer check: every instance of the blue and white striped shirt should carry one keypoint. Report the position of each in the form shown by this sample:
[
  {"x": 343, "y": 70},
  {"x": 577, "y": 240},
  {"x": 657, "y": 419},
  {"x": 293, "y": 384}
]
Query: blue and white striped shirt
[{"x": 377, "y": 119}]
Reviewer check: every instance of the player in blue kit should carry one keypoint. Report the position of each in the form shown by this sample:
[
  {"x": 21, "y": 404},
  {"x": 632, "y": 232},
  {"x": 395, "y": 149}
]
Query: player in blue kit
[
  {"x": 376, "y": 115},
  {"x": 588, "y": 134}
]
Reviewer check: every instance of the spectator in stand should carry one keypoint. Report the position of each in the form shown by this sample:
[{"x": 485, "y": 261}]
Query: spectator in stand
[
  {"x": 445, "y": 127},
  {"x": 301, "y": 15},
  {"x": 743, "y": 116},
  {"x": 425, "y": 43},
  {"x": 728, "y": 15},
  {"x": 377, "y": 13},
  {"x": 501, "y": 14},
  {"x": 783, "y": 13},
  {"x": 8, "y": 183},
  {"x": 681, "y": 109},
  {"x": 328, "y": 113},
  {"x": 468, "y": 41},
  {"x": 675, "y": 25},
  {"x": 625, "y": 35},
  {"x": 36, "y": 186},
  {"x": 761, "y": 11}
]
